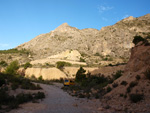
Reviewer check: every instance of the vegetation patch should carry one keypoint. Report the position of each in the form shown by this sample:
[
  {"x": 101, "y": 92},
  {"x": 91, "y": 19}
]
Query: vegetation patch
[
  {"x": 27, "y": 65},
  {"x": 91, "y": 86},
  {"x": 147, "y": 74},
  {"x": 24, "y": 51},
  {"x": 3, "y": 63},
  {"x": 136, "y": 97},
  {"x": 138, "y": 39},
  {"x": 124, "y": 83},
  {"x": 61, "y": 64},
  {"x": 117, "y": 74}
]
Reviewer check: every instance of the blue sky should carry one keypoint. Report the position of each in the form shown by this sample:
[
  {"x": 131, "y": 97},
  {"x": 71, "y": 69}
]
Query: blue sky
[{"x": 22, "y": 20}]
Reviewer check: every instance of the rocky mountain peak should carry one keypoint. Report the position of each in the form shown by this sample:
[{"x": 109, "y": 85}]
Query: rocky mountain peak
[
  {"x": 63, "y": 27},
  {"x": 129, "y": 18}
]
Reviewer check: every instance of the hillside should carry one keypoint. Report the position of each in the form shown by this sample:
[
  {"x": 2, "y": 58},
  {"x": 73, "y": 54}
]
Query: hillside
[{"x": 114, "y": 41}]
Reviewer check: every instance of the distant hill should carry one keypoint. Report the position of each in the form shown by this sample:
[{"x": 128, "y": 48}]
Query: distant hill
[{"x": 112, "y": 41}]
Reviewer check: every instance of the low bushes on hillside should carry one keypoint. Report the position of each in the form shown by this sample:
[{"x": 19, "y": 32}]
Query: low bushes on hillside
[
  {"x": 12, "y": 68},
  {"x": 61, "y": 64},
  {"x": 12, "y": 82},
  {"x": 3, "y": 63},
  {"x": 136, "y": 97},
  {"x": 26, "y": 65}
]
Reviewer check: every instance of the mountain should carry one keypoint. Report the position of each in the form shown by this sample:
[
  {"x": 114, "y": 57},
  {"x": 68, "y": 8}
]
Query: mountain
[{"x": 113, "y": 41}]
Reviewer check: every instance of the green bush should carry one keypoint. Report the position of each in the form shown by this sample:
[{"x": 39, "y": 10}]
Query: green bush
[
  {"x": 33, "y": 77},
  {"x": 80, "y": 75},
  {"x": 26, "y": 65},
  {"x": 3, "y": 64},
  {"x": 138, "y": 77},
  {"x": 14, "y": 86},
  {"x": 24, "y": 51},
  {"x": 39, "y": 95},
  {"x": 81, "y": 59},
  {"x": 124, "y": 83},
  {"x": 40, "y": 78},
  {"x": 12, "y": 68},
  {"x": 147, "y": 74},
  {"x": 108, "y": 89},
  {"x": 115, "y": 85},
  {"x": 22, "y": 98},
  {"x": 2, "y": 80},
  {"x": 117, "y": 75},
  {"x": 61, "y": 64},
  {"x": 128, "y": 89},
  {"x": 133, "y": 84},
  {"x": 136, "y": 97},
  {"x": 137, "y": 39}
]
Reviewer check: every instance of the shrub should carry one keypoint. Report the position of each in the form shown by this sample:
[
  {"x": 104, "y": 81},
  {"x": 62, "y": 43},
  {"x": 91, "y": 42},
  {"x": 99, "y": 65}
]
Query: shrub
[
  {"x": 22, "y": 98},
  {"x": 121, "y": 95},
  {"x": 81, "y": 59},
  {"x": 147, "y": 74},
  {"x": 3, "y": 64},
  {"x": 14, "y": 86},
  {"x": 128, "y": 89},
  {"x": 115, "y": 85},
  {"x": 97, "y": 54},
  {"x": 33, "y": 77},
  {"x": 39, "y": 95},
  {"x": 40, "y": 78},
  {"x": 12, "y": 68},
  {"x": 132, "y": 84},
  {"x": 109, "y": 89},
  {"x": 26, "y": 65},
  {"x": 137, "y": 39},
  {"x": 138, "y": 77},
  {"x": 124, "y": 83},
  {"x": 117, "y": 75},
  {"x": 80, "y": 75},
  {"x": 2, "y": 80},
  {"x": 61, "y": 64},
  {"x": 136, "y": 97}
]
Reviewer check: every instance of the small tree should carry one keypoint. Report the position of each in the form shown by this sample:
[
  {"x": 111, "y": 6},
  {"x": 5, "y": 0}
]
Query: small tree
[
  {"x": 137, "y": 39},
  {"x": 12, "y": 68},
  {"x": 26, "y": 65},
  {"x": 61, "y": 64},
  {"x": 80, "y": 75},
  {"x": 3, "y": 64}
]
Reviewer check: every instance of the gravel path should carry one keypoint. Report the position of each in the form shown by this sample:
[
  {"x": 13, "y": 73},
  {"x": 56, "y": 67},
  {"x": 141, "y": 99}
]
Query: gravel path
[{"x": 58, "y": 101}]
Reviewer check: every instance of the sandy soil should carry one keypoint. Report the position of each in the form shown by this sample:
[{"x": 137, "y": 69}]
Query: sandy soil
[{"x": 58, "y": 101}]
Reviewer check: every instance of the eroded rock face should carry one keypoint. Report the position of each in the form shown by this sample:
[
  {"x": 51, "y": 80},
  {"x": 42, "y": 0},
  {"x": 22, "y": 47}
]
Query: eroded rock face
[
  {"x": 139, "y": 60},
  {"x": 46, "y": 73}
]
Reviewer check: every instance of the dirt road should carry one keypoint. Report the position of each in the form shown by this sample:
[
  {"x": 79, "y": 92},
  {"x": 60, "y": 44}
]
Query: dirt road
[{"x": 58, "y": 101}]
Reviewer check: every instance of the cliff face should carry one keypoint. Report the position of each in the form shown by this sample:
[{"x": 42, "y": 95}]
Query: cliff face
[
  {"x": 115, "y": 40},
  {"x": 139, "y": 61}
]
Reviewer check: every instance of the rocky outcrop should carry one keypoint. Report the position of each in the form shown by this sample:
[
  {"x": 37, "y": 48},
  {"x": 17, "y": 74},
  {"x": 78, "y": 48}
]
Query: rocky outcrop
[{"x": 140, "y": 59}]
